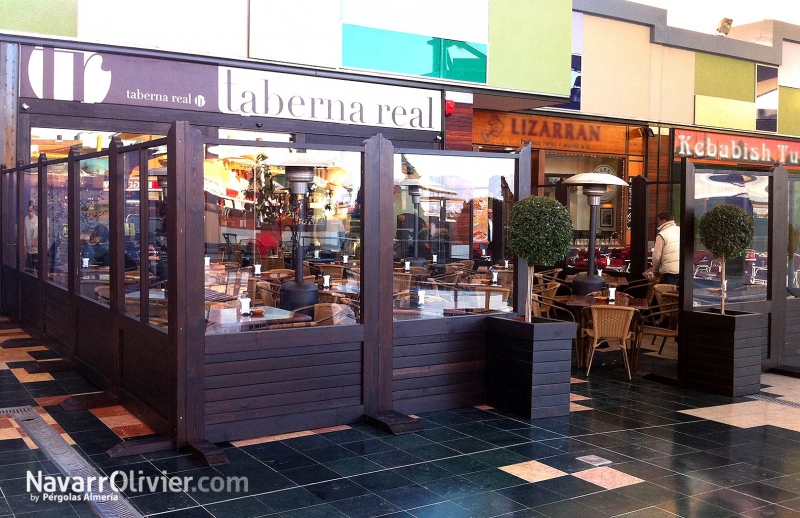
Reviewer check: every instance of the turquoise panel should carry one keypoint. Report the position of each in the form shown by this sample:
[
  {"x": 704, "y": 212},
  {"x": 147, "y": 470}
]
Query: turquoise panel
[{"x": 403, "y": 53}]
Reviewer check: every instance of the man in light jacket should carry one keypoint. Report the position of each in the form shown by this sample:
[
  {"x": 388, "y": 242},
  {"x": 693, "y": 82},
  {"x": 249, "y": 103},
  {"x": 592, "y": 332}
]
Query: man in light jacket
[{"x": 667, "y": 249}]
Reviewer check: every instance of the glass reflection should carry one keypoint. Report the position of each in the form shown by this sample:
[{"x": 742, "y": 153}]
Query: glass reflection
[
  {"x": 450, "y": 246},
  {"x": 254, "y": 221},
  {"x": 30, "y": 221},
  {"x": 57, "y": 224},
  {"x": 793, "y": 257},
  {"x": 94, "y": 258},
  {"x": 746, "y": 276},
  {"x": 9, "y": 193}
]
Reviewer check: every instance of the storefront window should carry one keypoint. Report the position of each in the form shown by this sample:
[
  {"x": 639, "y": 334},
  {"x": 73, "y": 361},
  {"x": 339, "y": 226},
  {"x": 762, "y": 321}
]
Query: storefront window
[
  {"x": 746, "y": 276},
  {"x": 57, "y": 225},
  {"x": 450, "y": 246},
  {"x": 30, "y": 221},
  {"x": 612, "y": 220},
  {"x": 55, "y": 143},
  {"x": 133, "y": 234},
  {"x": 10, "y": 235},
  {"x": 253, "y": 219},
  {"x": 93, "y": 249},
  {"x": 793, "y": 279}
]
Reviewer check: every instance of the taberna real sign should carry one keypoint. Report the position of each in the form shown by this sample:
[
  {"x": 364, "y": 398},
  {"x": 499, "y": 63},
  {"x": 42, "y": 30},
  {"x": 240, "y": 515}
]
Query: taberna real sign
[{"x": 93, "y": 77}]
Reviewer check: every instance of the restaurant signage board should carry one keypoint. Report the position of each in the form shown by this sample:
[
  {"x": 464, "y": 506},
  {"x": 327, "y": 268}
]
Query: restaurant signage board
[
  {"x": 509, "y": 129},
  {"x": 94, "y": 77},
  {"x": 720, "y": 147}
]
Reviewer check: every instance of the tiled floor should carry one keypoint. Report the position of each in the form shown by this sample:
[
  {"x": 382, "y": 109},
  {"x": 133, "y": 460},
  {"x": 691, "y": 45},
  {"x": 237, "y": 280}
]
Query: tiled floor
[{"x": 671, "y": 452}]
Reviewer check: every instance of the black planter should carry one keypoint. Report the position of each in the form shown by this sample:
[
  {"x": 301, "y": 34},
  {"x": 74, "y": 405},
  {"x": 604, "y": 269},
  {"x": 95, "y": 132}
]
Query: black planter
[
  {"x": 723, "y": 352},
  {"x": 528, "y": 366}
]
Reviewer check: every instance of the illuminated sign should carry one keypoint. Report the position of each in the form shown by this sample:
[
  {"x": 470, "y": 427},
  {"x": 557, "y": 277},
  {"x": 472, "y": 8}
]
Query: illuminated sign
[{"x": 735, "y": 148}]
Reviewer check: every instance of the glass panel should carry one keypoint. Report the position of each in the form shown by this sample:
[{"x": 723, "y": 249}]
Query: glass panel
[
  {"x": 450, "y": 247},
  {"x": 133, "y": 234},
  {"x": 612, "y": 218},
  {"x": 157, "y": 249},
  {"x": 252, "y": 224},
  {"x": 30, "y": 221},
  {"x": 56, "y": 142},
  {"x": 793, "y": 279},
  {"x": 93, "y": 283},
  {"x": 746, "y": 276},
  {"x": 390, "y": 51},
  {"x": 57, "y": 224},
  {"x": 10, "y": 250}
]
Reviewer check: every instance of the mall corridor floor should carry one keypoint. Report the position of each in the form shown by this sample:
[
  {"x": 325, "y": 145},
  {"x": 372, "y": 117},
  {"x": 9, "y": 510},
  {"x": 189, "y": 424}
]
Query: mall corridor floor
[{"x": 637, "y": 449}]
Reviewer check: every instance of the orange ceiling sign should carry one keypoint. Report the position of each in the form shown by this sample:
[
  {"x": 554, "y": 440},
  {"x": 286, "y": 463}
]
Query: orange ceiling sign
[
  {"x": 735, "y": 148},
  {"x": 508, "y": 129}
]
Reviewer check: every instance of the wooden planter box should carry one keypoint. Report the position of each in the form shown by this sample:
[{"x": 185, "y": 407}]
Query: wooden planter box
[
  {"x": 723, "y": 352},
  {"x": 528, "y": 366}
]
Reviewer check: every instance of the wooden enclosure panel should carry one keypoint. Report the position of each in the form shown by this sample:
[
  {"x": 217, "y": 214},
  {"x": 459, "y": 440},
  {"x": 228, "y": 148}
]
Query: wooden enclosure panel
[
  {"x": 57, "y": 325},
  {"x": 792, "y": 352},
  {"x": 439, "y": 364},
  {"x": 93, "y": 325},
  {"x": 265, "y": 383},
  {"x": 29, "y": 301},
  {"x": 145, "y": 372},
  {"x": 8, "y": 299}
]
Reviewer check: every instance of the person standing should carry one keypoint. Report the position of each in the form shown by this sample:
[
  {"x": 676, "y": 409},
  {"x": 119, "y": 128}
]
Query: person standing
[
  {"x": 667, "y": 249},
  {"x": 31, "y": 238}
]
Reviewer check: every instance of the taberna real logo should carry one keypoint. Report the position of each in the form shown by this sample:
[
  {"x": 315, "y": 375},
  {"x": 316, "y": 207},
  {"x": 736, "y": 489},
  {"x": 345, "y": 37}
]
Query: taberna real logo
[{"x": 68, "y": 75}]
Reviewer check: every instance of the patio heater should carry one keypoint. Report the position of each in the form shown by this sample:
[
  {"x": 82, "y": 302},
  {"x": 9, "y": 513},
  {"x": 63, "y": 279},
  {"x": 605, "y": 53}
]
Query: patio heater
[
  {"x": 415, "y": 190},
  {"x": 594, "y": 186},
  {"x": 298, "y": 293}
]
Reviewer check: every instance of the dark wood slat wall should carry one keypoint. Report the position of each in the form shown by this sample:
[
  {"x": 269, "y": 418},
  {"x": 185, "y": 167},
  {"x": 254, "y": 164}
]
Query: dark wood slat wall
[
  {"x": 791, "y": 355},
  {"x": 57, "y": 324},
  {"x": 93, "y": 326},
  {"x": 30, "y": 303},
  {"x": 458, "y": 129},
  {"x": 439, "y": 364},
  {"x": 10, "y": 296},
  {"x": 271, "y": 382}
]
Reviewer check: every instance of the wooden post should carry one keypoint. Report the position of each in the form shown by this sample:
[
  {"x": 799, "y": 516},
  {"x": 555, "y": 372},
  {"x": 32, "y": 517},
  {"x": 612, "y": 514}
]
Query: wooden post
[{"x": 640, "y": 202}]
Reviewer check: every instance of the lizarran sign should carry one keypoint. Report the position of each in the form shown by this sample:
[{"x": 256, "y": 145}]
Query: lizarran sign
[
  {"x": 93, "y": 77},
  {"x": 719, "y": 147}
]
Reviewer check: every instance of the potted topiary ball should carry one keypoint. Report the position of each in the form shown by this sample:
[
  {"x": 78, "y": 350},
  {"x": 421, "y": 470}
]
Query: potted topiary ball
[
  {"x": 539, "y": 231},
  {"x": 528, "y": 363},
  {"x": 727, "y": 232},
  {"x": 721, "y": 351}
]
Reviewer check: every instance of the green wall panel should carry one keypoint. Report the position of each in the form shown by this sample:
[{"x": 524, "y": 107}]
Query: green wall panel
[
  {"x": 530, "y": 45},
  {"x": 403, "y": 53},
  {"x": 52, "y": 17},
  {"x": 717, "y": 76},
  {"x": 788, "y": 110}
]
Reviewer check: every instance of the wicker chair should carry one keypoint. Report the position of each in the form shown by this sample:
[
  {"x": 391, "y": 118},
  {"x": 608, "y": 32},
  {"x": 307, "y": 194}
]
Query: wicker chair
[
  {"x": 610, "y": 323},
  {"x": 328, "y": 313},
  {"x": 488, "y": 292},
  {"x": 336, "y": 271},
  {"x": 402, "y": 281},
  {"x": 292, "y": 325}
]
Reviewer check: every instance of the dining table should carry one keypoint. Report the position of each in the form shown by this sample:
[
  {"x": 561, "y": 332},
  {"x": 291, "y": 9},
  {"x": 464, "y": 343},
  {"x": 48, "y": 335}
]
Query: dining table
[{"x": 231, "y": 320}]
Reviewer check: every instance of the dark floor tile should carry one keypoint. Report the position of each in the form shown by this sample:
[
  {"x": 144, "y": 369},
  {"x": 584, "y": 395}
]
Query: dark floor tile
[
  {"x": 532, "y": 495},
  {"x": 369, "y": 447},
  {"x": 734, "y": 474},
  {"x": 409, "y": 497},
  {"x": 499, "y": 457},
  {"x": 468, "y": 445},
  {"x": 177, "y": 464},
  {"x": 319, "y": 511},
  {"x": 611, "y": 503},
  {"x": 731, "y": 500},
  {"x": 406, "y": 441},
  {"x": 643, "y": 470},
  {"x": 422, "y": 473},
  {"x": 566, "y": 509},
  {"x": 310, "y": 474},
  {"x": 566, "y": 462},
  {"x": 433, "y": 452},
  {"x": 771, "y": 494},
  {"x": 787, "y": 482},
  {"x": 462, "y": 465},
  {"x": 289, "y": 499},
  {"x": 345, "y": 436},
  {"x": 249, "y": 507},
  {"x": 685, "y": 484},
  {"x": 650, "y": 512},
  {"x": 441, "y": 510},
  {"x": 535, "y": 433},
  {"x": 365, "y": 506},
  {"x": 441, "y": 434},
  {"x": 393, "y": 459},
  {"x": 383, "y": 480},
  {"x": 328, "y": 453},
  {"x": 336, "y": 490},
  {"x": 569, "y": 486},
  {"x": 194, "y": 512},
  {"x": 535, "y": 450},
  {"x": 493, "y": 479},
  {"x": 308, "y": 442},
  {"x": 489, "y": 504},
  {"x": 692, "y": 507},
  {"x": 353, "y": 466},
  {"x": 649, "y": 493},
  {"x": 453, "y": 487},
  {"x": 772, "y": 511},
  {"x": 162, "y": 502}
]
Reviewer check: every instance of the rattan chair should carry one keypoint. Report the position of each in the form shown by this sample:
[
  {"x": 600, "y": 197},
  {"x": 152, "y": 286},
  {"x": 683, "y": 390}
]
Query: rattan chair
[
  {"x": 292, "y": 325},
  {"x": 336, "y": 271},
  {"x": 610, "y": 323},
  {"x": 488, "y": 292}
]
